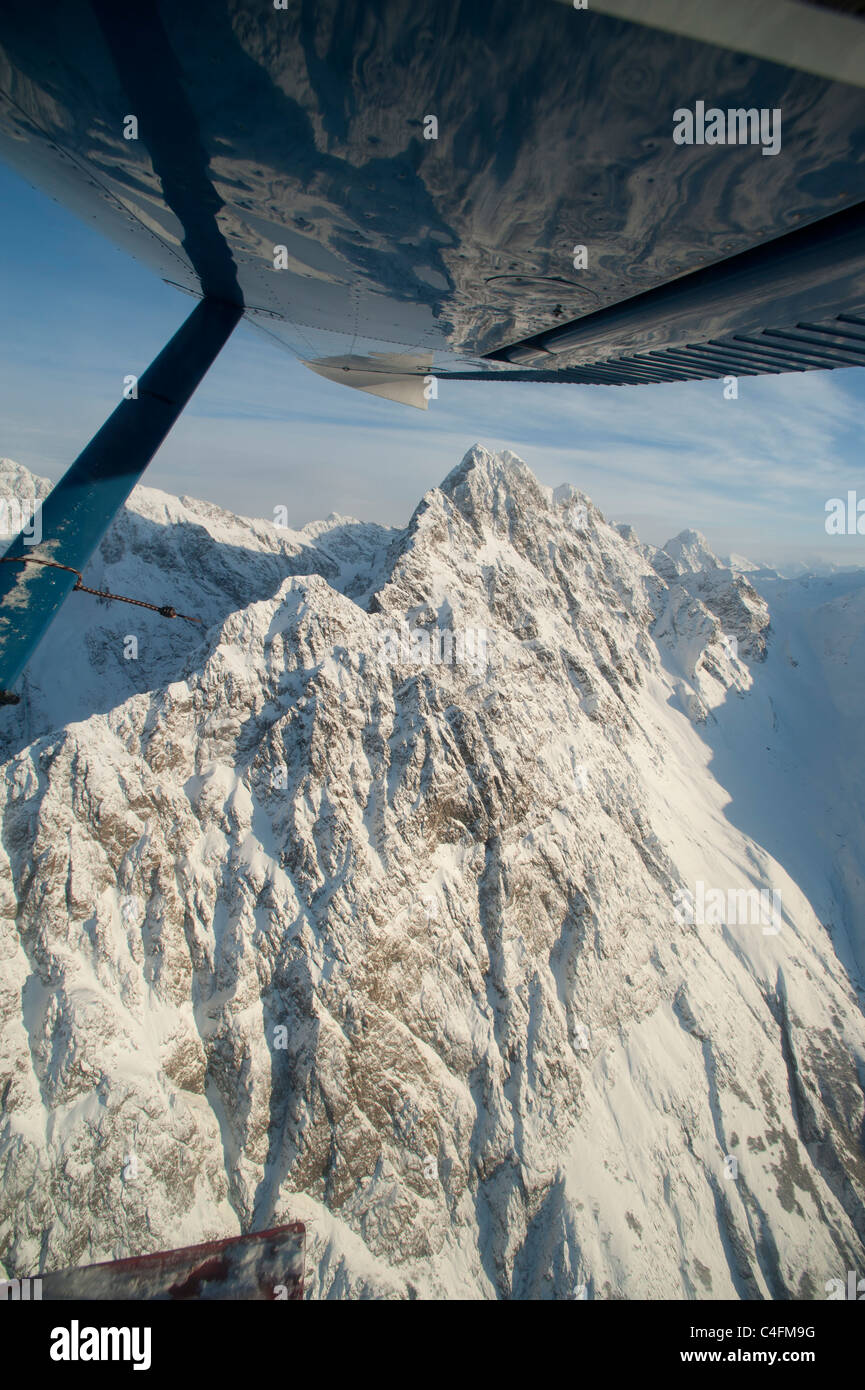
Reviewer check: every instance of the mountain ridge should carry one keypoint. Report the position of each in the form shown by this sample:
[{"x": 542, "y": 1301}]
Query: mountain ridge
[{"x": 322, "y": 928}]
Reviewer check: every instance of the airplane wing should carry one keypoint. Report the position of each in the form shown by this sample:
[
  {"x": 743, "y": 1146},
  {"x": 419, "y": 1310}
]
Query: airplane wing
[
  {"x": 405, "y": 191},
  {"x": 414, "y": 178}
]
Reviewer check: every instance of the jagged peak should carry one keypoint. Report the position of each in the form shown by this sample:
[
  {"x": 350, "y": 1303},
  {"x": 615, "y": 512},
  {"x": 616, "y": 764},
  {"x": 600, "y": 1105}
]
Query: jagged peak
[
  {"x": 504, "y": 472},
  {"x": 689, "y": 536},
  {"x": 566, "y": 493},
  {"x": 305, "y": 786},
  {"x": 691, "y": 550},
  {"x": 627, "y": 533},
  {"x": 332, "y": 522},
  {"x": 17, "y": 479}
]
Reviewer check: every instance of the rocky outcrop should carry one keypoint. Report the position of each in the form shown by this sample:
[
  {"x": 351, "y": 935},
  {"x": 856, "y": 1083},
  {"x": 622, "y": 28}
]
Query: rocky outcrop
[{"x": 365, "y": 910}]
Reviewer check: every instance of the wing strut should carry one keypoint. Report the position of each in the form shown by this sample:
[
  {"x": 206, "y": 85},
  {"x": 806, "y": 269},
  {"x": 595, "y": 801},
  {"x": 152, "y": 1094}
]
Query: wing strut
[{"x": 79, "y": 510}]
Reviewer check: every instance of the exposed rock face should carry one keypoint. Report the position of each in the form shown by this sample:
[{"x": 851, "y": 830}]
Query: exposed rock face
[
  {"x": 688, "y": 562},
  {"x": 366, "y": 910}
]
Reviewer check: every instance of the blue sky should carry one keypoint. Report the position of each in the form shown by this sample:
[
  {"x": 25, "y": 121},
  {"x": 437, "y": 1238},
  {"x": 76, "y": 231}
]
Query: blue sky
[{"x": 754, "y": 474}]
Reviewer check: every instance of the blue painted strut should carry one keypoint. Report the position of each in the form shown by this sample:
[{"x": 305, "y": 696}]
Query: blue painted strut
[{"x": 79, "y": 510}]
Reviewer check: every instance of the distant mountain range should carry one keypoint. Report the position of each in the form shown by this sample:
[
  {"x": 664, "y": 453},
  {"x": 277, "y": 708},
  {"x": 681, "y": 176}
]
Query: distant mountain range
[{"x": 418, "y": 893}]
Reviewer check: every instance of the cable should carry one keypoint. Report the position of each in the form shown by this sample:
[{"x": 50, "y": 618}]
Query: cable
[{"x": 166, "y": 611}]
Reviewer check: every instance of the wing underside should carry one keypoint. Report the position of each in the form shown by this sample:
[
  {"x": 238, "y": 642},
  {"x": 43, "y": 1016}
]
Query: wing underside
[{"x": 407, "y": 183}]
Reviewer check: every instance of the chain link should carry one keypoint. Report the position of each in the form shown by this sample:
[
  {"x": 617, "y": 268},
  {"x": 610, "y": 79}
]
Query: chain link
[{"x": 166, "y": 611}]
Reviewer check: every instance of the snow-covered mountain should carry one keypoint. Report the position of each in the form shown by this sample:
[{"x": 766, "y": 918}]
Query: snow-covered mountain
[{"x": 486, "y": 894}]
